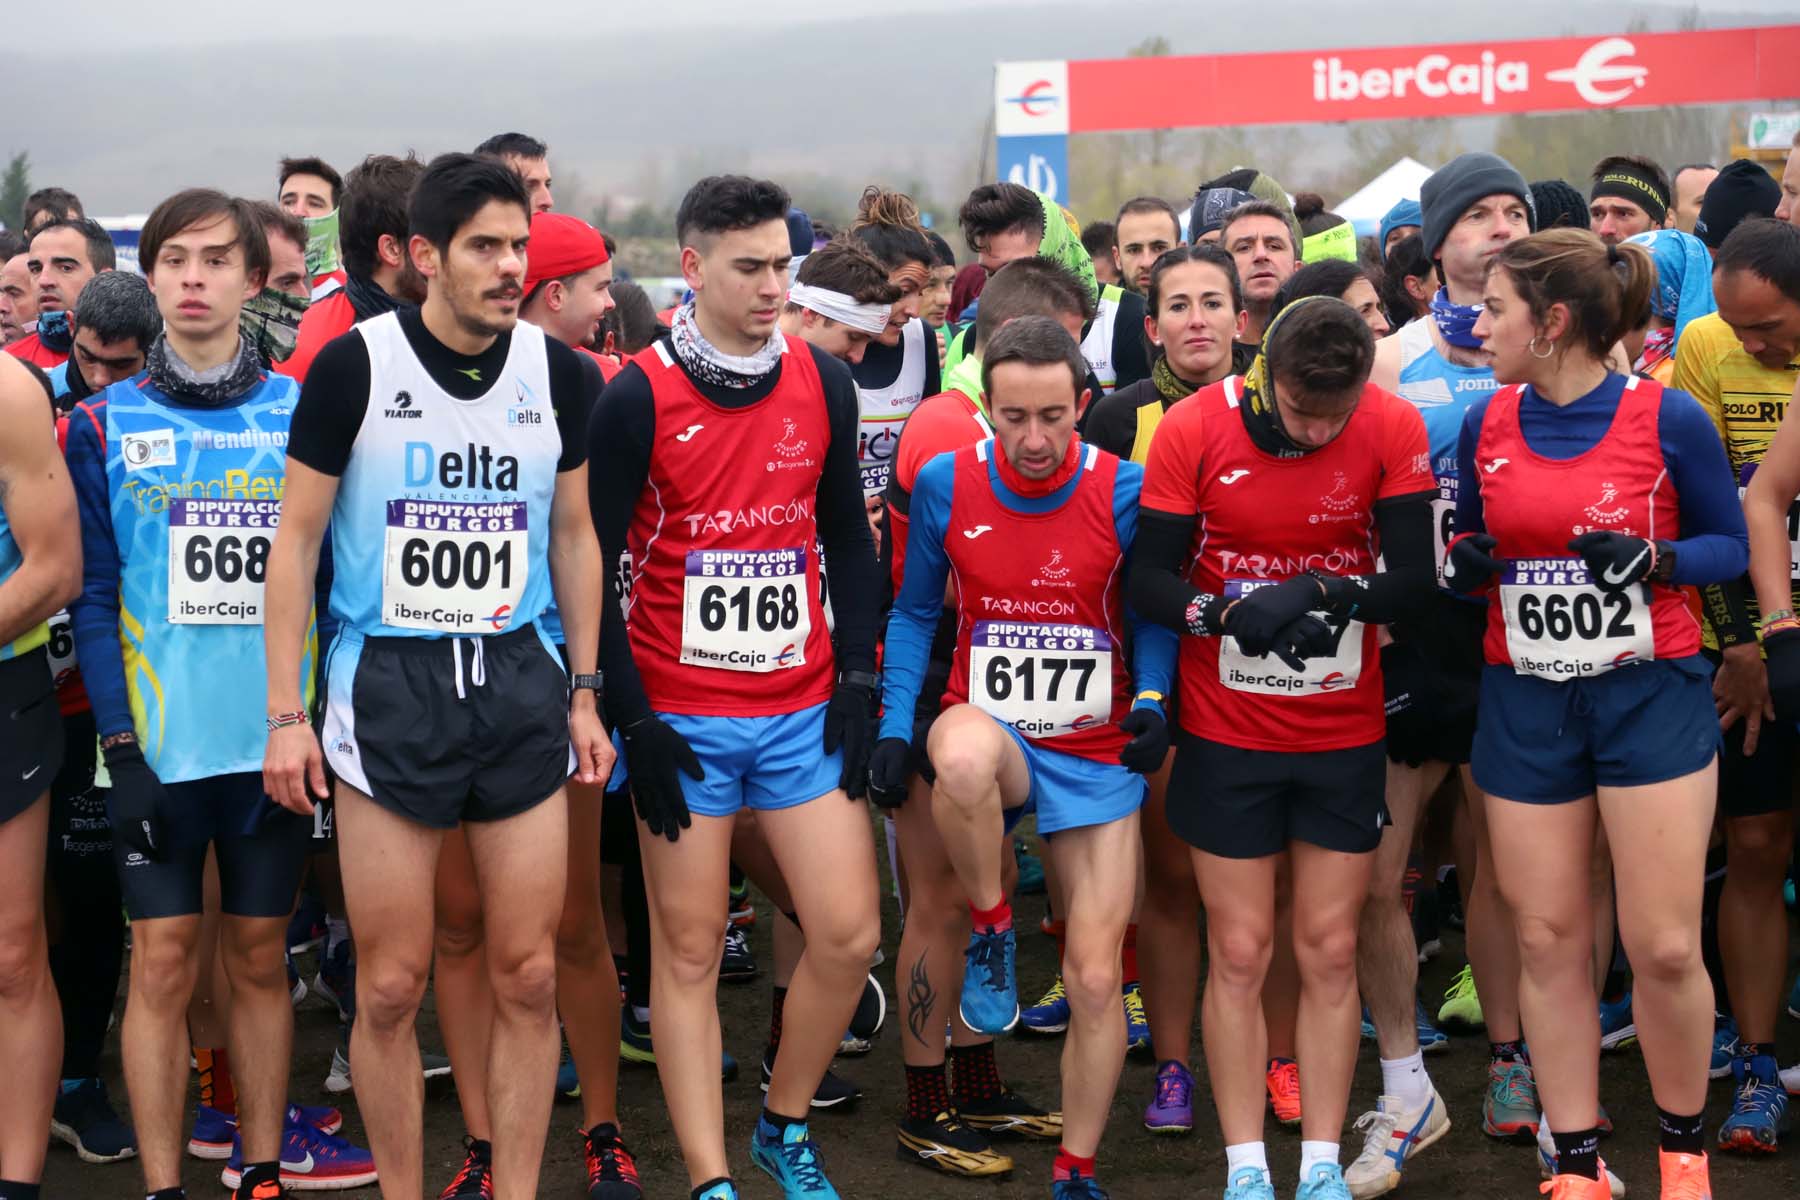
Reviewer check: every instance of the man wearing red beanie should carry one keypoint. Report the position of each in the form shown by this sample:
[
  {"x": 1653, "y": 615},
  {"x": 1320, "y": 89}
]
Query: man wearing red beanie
[{"x": 568, "y": 282}]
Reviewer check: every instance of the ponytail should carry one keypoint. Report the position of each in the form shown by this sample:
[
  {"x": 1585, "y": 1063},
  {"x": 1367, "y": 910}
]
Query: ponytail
[
  {"x": 1636, "y": 272},
  {"x": 887, "y": 223}
]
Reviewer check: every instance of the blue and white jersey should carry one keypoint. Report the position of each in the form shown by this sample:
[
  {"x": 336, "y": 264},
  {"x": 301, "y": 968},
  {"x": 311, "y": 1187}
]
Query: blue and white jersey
[
  {"x": 442, "y": 521},
  {"x": 1442, "y": 391},
  {"x": 193, "y": 497}
]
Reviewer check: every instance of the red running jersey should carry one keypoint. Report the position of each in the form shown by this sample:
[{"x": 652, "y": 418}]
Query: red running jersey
[
  {"x": 942, "y": 423},
  {"x": 1040, "y": 631},
  {"x": 1259, "y": 519},
  {"x": 724, "y": 614},
  {"x": 1548, "y": 617}
]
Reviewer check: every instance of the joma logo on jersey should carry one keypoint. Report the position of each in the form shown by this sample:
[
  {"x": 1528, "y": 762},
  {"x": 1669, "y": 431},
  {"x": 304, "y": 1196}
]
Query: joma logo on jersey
[
  {"x": 402, "y": 408},
  {"x": 471, "y": 466}
]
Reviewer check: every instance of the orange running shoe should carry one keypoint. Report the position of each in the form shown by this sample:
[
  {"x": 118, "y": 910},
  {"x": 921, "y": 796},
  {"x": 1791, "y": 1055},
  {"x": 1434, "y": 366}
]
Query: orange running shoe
[
  {"x": 1284, "y": 1090},
  {"x": 1684, "y": 1176},
  {"x": 1576, "y": 1187}
]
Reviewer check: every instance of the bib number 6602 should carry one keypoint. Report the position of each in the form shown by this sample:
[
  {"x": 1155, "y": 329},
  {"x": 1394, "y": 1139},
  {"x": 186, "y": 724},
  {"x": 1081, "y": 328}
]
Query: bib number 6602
[{"x": 1587, "y": 616}]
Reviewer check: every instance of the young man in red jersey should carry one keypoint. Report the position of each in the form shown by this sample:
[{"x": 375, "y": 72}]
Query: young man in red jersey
[{"x": 724, "y": 456}]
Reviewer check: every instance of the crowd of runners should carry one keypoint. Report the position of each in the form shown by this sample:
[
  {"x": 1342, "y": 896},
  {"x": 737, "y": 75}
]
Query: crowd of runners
[{"x": 381, "y": 573}]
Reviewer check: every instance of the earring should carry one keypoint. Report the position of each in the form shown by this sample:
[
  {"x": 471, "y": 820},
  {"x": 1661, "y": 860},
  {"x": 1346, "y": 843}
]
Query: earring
[{"x": 1532, "y": 346}]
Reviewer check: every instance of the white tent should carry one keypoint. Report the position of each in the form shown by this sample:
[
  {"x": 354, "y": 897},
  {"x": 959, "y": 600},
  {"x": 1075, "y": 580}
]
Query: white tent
[{"x": 1370, "y": 203}]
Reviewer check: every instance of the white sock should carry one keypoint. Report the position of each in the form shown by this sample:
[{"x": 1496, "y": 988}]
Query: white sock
[
  {"x": 1246, "y": 1154},
  {"x": 1316, "y": 1152},
  {"x": 1405, "y": 1078}
]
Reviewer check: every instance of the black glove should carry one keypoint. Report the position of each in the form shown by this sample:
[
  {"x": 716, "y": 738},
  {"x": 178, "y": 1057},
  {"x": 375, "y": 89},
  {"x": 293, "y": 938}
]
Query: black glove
[
  {"x": 850, "y": 723},
  {"x": 1149, "y": 743},
  {"x": 137, "y": 803},
  {"x": 890, "y": 767},
  {"x": 654, "y": 753},
  {"x": 1303, "y": 638},
  {"x": 1615, "y": 560},
  {"x": 1470, "y": 563},
  {"x": 1783, "y": 651},
  {"x": 1258, "y": 616}
]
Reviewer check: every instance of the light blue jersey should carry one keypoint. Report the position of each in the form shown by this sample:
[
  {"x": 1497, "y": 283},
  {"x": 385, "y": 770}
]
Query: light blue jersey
[
  {"x": 194, "y": 497},
  {"x": 442, "y": 521},
  {"x": 1442, "y": 391},
  {"x": 11, "y": 559}
]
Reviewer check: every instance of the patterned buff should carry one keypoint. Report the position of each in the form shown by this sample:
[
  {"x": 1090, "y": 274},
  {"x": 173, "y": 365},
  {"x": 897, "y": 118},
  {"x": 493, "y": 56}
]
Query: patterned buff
[
  {"x": 1062, "y": 245},
  {"x": 709, "y": 364},
  {"x": 1456, "y": 321},
  {"x": 271, "y": 323},
  {"x": 1261, "y": 416},
  {"x": 322, "y": 256},
  {"x": 212, "y": 388},
  {"x": 1170, "y": 386},
  {"x": 54, "y": 332}
]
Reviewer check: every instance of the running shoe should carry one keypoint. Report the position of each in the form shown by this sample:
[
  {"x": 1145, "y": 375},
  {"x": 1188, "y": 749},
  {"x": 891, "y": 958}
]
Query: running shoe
[
  {"x": 1368, "y": 1024},
  {"x": 1509, "y": 1108},
  {"x": 737, "y": 963},
  {"x": 948, "y": 1145},
  {"x": 1684, "y": 1176},
  {"x": 722, "y": 1190},
  {"x": 297, "y": 990},
  {"x": 1462, "y": 1006},
  {"x": 311, "y": 1161},
  {"x": 1617, "y": 1030},
  {"x": 1283, "y": 1081},
  {"x": 1249, "y": 1183},
  {"x": 789, "y": 1157},
  {"x": 1614, "y": 1188},
  {"x": 213, "y": 1135},
  {"x": 1432, "y": 1040},
  {"x": 85, "y": 1119},
  {"x": 612, "y": 1173},
  {"x": 635, "y": 1045},
  {"x": 1790, "y": 1079},
  {"x": 742, "y": 913},
  {"x": 568, "y": 1082},
  {"x": 1077, "y": 1187},
  {"x": 1725, "y": 1046},
  {"x": 1050, "y": 1014},
  {"x": 476, "y": 1179},
  {"x": 834, "y": 1091},
  {"x": 336, "y": 980},
  {"x": 1759, "y": 1116},
  {"x": 1031, "y": 870},
  {"x": 338, "y": 1079},
  {"x": 866, "y": 1021},
  {"x": 1137, "y": 1023},
  {"x": 1580, "y": 1187},
  {"x": 1171, "y": 1110},
  {"x": 1392, "y": 1134},
  {"x": 1010, "y": 1114},
  {"x": 1324, "y": 1182},
  {"x": 306, "y": 928},
  {"x": 990, "y": 992}
]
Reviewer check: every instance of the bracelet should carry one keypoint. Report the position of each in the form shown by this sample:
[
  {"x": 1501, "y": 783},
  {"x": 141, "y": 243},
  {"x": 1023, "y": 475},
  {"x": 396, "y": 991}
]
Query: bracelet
[
  {"x": 1147, "y": 694},
  {"x": 118, "y": 739},
  {"x": 1780, "y": 614},
  {"x": 1780, "y": 625},
  {"x": 283, "y": 720}
]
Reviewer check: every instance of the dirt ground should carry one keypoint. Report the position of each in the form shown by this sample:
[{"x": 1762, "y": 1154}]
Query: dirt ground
[{"x": 859, "y": 1144}]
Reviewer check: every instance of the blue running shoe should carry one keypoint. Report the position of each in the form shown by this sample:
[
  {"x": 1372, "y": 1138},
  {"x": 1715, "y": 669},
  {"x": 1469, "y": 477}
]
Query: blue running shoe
[
  {"x": 722, "y": 1190},
  {"x": 789, "y": 1157},
  {"x": 990, "y": 993},
  {"x": 311, "y": 1161},
  {"x": 1077, "y": 1187},
  {"x": 568, "y": 1085},
  {"x": 1617, "y": 1030},
  {"x": 1759, "y": 1109},
  {"x": 1249, "y": 1183},
  {"x": 1324, "y": 1182},
  {"x": 213, "y": 1134},
  {"x": 1432, "y": 1040},
  {"x": 85, "y": 1119},
  {"x": 1725, "y": 1045},
  {"x": 1050, "y": 1014},
  {"x": 1031, "y": 870},
  {"x": 1137, "y": 1022}
]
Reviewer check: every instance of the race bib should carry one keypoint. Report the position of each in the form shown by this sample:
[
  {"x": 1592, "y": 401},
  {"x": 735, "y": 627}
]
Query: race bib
[
  {"x": 745, "y": 610},
  {"x": 1443, "y": 523},
  {"x": 1269, "y": 676},
  {"x": 453, "y": 567},
  {"x": 218, "y": 554},
  {"x": 61, "y": 647},
  {"x": 1044, "y": 680},
  {"x": 1560, "y": 626}
]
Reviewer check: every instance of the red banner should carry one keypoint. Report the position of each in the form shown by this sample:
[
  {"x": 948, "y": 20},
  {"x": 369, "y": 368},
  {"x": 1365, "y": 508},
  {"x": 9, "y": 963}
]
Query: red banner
[{"x": 1641, "y": 70}]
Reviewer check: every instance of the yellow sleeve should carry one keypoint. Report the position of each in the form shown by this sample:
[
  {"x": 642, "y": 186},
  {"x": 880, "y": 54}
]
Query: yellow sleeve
[{"x": 1697, "y": 367}]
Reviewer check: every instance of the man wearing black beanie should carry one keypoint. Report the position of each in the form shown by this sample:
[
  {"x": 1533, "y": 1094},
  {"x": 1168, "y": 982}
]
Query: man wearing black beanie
[
  {"x": 1558, "y": 204},
  {"x": 1630, "y": 195},
  {"x": 1743, "y": 189}
]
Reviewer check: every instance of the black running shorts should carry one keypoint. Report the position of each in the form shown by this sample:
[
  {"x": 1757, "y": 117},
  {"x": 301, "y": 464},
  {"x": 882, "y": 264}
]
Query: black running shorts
[
  {"x": 1237, "y": 803},
  {"x": 31, "y": 743}
]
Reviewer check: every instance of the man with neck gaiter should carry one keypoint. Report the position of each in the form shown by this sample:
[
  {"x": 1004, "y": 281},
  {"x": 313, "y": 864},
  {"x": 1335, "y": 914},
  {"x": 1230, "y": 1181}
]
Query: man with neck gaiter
[
  {"x": 63, "y": 256},
  {"x": 379, "y": 277},
  {"x": 1472, "y": 207},
  {"x": 178, "y": 477}
]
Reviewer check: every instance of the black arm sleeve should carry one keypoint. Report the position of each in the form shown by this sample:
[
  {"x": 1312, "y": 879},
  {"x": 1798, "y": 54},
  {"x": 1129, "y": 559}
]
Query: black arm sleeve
[
  {"x": 1131, "y": 357},
  {"x": 1727, "y": 608},
  {"x": 332, "y": 403},
  {"x": 844, "y": 524},
  {"x": 1401, "y": 591},
  {"x": 619, "y": 440},
  {"x": 1159, "y": 588},
  {"x": 574, "y": 387}
]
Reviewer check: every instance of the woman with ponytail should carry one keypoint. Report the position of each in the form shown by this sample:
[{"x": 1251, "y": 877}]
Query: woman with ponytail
[{"x": 1597, "y": 497}]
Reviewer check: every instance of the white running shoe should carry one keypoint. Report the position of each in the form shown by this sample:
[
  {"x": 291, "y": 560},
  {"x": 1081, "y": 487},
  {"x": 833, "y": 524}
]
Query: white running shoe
[
  {"x": 1392, "y": 1134},
  {"x": 1547, "y": 1162}
]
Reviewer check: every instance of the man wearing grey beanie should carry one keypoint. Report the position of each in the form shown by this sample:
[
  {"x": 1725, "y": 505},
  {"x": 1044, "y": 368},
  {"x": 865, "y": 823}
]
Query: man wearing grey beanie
[{"x": 1470, "y": 208}]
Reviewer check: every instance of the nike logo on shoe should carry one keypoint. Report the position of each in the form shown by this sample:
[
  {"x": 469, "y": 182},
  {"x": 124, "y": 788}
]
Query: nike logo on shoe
[
  {"x": 301, "y": 1166},
  {"x": 1232, "y": 478},
  {"x": 33, "y": 771},
  {"x": 687, "y": 435},
  {"x": 976, "y": 532}
]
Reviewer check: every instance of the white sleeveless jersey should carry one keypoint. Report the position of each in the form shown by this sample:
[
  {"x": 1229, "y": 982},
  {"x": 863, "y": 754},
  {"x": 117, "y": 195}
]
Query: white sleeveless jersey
[
  {"x": 1097, "y": 346},
  {"x": 885, "y": 409}
]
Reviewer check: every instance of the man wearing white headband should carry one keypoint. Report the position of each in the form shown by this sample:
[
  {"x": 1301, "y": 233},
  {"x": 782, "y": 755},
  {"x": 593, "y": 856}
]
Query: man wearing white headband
[{"x": 840, "y": 300}]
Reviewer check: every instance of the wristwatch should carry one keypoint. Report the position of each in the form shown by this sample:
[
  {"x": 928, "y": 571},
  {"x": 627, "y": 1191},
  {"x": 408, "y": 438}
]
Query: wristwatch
[{"x": 592, "y": 683}]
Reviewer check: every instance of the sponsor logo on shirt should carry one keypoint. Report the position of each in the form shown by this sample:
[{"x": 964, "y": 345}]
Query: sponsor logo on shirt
[
  {"x": 762, "y": 516},
  {"x": 791, "y": 450},
  {"x": 153, "y": 448},
  {"x": 402, "y": 408},
  {"x": 1053, "y": 574},
  {"x": 1598, "y": 510},
  {"x": 1345, "y": 561}
]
